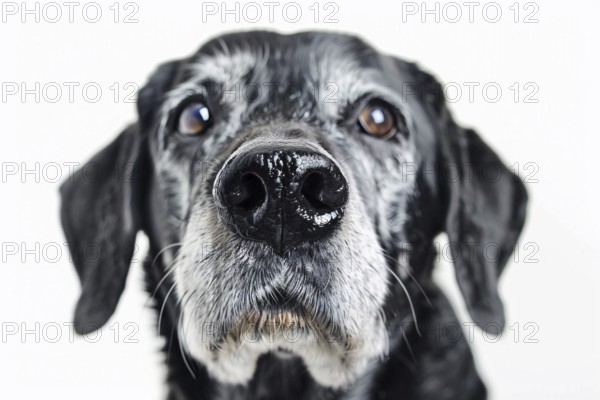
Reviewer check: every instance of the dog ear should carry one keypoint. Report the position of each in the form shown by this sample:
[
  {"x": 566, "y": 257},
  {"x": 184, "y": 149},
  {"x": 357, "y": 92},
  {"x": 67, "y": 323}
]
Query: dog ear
[
  {"x": 485, "y": 207},
  {"x": 101, "y": 211},
  {"x": 100, "y": 221}
]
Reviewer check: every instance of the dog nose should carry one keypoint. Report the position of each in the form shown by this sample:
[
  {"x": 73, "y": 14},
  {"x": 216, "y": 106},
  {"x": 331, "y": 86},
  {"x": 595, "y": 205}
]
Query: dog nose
[{"x": 282, "y": 197}]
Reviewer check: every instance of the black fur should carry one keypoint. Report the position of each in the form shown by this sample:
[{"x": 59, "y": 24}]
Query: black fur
[{"x": 107, "y": 212}]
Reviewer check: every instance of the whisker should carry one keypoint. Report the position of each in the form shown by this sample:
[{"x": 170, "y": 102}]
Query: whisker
[
  {"x": 171, "y": 336},
  {"x": 169, "y": 271},
  {"x": 411, "y": 276},
  {"x": 185, "y": 361},
  {"x": 410, "y": 350},
  {"x": 181, "y": 334},
  {"x": 162, "y": 308},
  {"x": 165, "y": 249},
  {"x": 412, "y": 308}
]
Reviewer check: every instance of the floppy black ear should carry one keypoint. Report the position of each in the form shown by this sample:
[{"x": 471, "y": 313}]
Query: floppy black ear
[
  {"x": 102, "y": 208},
  {"x": 485, "y": 207},
  {"x": 100, "y": 220}
]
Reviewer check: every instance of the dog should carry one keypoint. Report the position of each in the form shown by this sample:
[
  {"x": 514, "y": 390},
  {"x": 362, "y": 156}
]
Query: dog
[{"x": 292, "y": 188}]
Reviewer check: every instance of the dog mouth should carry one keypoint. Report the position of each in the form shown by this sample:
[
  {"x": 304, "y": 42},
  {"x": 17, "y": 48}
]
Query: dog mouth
[
  {"x": 285, "y": 321},
  {"x": 285, "y": 332},
  {"x": 268, "y": 322}
]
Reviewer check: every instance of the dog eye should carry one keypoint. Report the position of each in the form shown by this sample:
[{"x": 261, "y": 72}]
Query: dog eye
[
  {"x": 377, "y": 120},
  {"x": 194, "y": 119}
]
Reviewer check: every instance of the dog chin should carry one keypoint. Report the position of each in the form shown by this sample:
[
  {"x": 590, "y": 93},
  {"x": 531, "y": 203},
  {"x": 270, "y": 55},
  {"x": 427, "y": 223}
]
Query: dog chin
[{"x": 331, "y": 361}]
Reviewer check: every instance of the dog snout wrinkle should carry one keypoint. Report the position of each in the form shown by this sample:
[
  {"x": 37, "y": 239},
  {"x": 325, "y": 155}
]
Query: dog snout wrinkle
[{"x": 281, "y": 195}]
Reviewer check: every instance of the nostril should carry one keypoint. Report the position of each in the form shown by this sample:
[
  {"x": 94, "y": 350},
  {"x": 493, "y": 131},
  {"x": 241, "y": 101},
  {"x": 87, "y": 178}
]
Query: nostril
[
  {"x": 252, "y": 193},
  {"x": 312, "y": 191},
  {"x": 323, "y": 194}
]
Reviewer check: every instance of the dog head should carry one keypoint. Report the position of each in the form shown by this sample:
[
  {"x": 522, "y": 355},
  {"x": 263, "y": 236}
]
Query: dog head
[{"x": 293, "y": 185}]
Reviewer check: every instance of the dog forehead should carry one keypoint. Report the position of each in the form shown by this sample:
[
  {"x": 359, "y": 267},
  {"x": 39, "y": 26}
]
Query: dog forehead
[{"x": 338, "y": 63}]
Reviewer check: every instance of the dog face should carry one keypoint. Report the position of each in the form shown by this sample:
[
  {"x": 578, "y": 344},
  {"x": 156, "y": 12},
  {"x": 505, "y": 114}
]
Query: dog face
[{"x": 293, "y": 185}]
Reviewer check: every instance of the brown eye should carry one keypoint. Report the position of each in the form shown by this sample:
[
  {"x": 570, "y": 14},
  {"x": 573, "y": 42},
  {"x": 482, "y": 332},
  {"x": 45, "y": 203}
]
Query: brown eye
[
  {"x": 377, "y": 120},
  {"x": 194, "y": 119}
]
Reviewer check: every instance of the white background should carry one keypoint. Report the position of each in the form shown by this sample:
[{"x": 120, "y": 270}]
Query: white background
[{"x": 558, "y": 134}]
